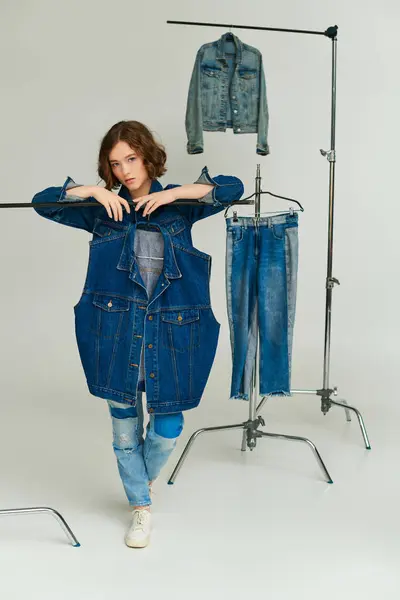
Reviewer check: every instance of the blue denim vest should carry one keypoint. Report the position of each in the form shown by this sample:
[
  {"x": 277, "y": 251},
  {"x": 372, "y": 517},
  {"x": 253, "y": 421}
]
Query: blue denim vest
[
  {"x": 227, "y": 89},
  {"x": 115, "y": 320}
]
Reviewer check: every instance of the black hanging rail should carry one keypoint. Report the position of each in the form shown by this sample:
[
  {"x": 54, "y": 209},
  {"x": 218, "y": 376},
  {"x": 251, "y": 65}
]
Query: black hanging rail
[
  {"x": 331, "y": 32},
  {"x": 78, "y": 204}
]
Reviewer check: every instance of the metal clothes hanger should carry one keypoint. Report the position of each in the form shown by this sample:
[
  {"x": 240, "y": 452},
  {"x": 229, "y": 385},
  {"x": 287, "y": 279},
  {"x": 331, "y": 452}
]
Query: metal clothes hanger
[
  {"x": 152, "y": 257},
  {"x": 229, "y": 33},
  {"x": 246, "y": 201}
]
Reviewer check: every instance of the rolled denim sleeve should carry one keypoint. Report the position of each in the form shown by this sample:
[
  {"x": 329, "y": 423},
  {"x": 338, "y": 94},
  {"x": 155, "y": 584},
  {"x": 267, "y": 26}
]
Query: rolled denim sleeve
[
  {"x": 263, "y": 116},
  {"x": 81, "y": 218},
  {"x": 194, "y": 111},
  {"x": 227, "y": 189}
]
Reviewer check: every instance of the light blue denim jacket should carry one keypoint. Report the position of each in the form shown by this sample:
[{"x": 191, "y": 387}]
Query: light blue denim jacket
[
  {"x": 115, "y": 320},
  {"x": 227, "y": 89}
]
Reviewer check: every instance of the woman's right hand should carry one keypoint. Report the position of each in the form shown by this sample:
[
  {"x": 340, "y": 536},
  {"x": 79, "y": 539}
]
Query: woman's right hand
[{"x": 111, "y": 202}]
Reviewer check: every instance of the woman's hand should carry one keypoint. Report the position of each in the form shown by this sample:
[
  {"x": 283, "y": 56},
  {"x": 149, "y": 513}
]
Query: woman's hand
[
  {"x": 153, "y": 201},
  {"x": 111, "y": 202}
]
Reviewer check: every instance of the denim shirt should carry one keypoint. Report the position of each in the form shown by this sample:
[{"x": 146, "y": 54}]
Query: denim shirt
[
  {"x": 227, "y": 89},
  {"x": 115, "y": 320}
]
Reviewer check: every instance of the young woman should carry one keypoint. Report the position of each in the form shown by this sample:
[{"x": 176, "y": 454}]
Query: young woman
[{"x": 144, "y": 322}]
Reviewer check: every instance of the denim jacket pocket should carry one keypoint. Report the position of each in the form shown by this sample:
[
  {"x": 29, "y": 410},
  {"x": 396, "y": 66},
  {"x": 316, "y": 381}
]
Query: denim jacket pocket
[
  {"x": 247, "y": 73},
  {"x": 180, "y": 329},
  {"x": 247, "y": 80},
  {"x": 210, "y": 71}
]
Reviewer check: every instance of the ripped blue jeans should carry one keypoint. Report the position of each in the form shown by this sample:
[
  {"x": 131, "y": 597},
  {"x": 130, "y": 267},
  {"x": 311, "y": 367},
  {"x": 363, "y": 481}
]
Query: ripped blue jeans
[{"x": 140, "y": 459}]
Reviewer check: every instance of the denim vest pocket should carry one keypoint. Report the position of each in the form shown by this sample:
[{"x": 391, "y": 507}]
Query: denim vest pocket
[
  {"x": 180, "y": 329},
  {"x": 104, "y": 231},
  {"x": 110, "y": 316},
  {"x": 176, "y": 226}
]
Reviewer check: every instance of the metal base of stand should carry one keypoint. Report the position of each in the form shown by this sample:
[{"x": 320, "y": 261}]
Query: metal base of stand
[
  {"x": 251, "y": 430},
  {"x": 326, "y": 405},
  {"x": 54, "y": 513},
  {"x": 250, "y": 434}
]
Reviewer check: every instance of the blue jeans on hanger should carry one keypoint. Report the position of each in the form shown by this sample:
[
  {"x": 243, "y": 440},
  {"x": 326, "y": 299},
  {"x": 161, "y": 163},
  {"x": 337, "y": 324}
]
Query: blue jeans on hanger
[
  {"x": 140, "y": 459},
  {"x": 261, "y": 283}
]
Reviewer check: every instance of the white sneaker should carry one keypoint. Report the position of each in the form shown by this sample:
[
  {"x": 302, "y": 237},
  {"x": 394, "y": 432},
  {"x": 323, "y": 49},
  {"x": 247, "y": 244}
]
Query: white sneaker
[{"x": 138, "y": 534}]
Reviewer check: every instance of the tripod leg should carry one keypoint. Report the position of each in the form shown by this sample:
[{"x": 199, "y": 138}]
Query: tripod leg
[
  {"x": 344, "y": 404},
  {"x": 346, "y": 410},
  {"x": 244, "y": 440},
  {"x": 54, "y": 513},
  {"x": 263, "y": 401},
  {"x": 191, "y": 442},
  {"x": 307, "y": 441}
]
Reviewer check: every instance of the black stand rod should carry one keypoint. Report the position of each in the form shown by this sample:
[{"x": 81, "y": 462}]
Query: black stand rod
[{"x": 91, "y": 204}]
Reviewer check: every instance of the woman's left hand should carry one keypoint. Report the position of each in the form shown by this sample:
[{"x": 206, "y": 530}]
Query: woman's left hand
[{"x": 153, "y": 201}]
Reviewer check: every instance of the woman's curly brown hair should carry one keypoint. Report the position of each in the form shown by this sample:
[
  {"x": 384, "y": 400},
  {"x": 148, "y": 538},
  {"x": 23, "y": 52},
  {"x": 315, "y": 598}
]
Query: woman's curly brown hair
[{"x": 141, "y": 140}]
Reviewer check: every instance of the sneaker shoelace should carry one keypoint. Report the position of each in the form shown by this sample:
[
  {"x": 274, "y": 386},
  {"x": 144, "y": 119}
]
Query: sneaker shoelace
[{"x": 141, "y": 519}]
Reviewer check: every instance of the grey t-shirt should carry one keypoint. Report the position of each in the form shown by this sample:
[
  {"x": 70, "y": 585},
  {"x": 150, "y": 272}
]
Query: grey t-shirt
[{"x": 149, "y": 253}]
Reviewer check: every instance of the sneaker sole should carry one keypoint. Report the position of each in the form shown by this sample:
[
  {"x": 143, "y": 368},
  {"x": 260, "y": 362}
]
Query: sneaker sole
[{"x": 137, "y": 544}]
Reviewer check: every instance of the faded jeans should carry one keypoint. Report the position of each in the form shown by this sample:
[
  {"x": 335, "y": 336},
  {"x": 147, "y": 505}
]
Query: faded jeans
[
  {"x": 261, "y": 283},
  {"x": 140, "y": 459}
]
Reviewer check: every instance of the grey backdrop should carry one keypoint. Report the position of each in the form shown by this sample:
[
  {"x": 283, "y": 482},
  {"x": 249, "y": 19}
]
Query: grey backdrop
[{"x": 69, "y": 70}]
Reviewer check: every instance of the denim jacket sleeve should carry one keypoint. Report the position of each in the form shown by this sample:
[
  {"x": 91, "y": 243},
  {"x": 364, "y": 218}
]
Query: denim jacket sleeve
[
  {"x": 226, "y": 189},
  {"x": 194, "y": 114},
  {"x": 263, "y": 116},
  {"x": 82, "y": 218}
]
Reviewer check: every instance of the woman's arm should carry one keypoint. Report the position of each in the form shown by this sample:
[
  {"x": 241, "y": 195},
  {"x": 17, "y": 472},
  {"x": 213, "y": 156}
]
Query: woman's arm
[
  {"x": 222, "y": 190},
  {"x": 214, "y": 195},
  {"x": 191, "y": 191},
  {"x": 81, "y": 218}
]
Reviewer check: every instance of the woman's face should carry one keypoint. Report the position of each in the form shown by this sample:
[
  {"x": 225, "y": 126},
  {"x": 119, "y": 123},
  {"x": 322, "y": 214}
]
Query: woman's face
[{"x": 128, "y": 166}]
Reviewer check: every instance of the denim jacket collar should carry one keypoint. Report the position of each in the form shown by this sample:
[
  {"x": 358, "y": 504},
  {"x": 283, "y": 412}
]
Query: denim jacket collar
[{"x": 221, "y": 47}]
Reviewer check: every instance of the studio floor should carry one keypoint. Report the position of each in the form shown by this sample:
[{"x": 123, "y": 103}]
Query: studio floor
[{"x": 262, "y": 522}]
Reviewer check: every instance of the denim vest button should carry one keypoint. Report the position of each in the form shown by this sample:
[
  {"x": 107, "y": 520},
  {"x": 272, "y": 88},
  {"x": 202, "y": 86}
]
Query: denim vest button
[
  {"x": 109, "y": 304},
  {"x": 150, "y": 317},
  {"x": 152, "y": 375}
]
